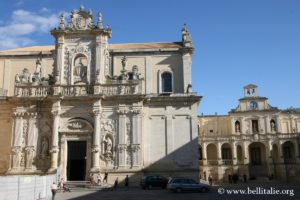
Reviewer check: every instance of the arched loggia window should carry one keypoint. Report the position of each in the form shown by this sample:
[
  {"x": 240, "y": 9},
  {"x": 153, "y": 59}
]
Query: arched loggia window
[{"x": 166, "y": 80}]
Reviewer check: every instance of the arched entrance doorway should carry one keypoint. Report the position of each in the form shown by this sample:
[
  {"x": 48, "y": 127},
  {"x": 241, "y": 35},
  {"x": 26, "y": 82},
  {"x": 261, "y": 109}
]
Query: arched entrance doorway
[
  {"x": 75, "y": 155},
  {"x": 258, "y": 161}
]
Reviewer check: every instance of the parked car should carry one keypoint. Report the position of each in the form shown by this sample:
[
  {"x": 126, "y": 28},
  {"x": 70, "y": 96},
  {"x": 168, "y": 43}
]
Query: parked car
[
  {"x": 149, "y": 182},
  {"x": 186, "y": 184}
]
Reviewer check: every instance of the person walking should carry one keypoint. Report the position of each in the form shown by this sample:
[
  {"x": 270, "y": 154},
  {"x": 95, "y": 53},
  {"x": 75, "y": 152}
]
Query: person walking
[
  {"x": 126, "y": 182},
  {"x": 210, "y": 180},
  {"x": 116, "y": 183},
  {"x": 53, "y": 190},
  {"x": 105, "y": 177},
  {"x": 98, "y": 179}
]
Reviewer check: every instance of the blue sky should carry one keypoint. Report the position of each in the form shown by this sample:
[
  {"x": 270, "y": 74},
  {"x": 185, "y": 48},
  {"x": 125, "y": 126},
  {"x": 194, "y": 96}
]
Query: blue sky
[{"x": 237, "y": 41}]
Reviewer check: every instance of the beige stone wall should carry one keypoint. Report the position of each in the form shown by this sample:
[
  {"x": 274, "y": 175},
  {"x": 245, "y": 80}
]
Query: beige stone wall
[
  {"x": 171, "y": 63},
  {"x": 6, "y": 131},
  {"x": 220, "y": 125},
  {"x": 1, "y": 72}
]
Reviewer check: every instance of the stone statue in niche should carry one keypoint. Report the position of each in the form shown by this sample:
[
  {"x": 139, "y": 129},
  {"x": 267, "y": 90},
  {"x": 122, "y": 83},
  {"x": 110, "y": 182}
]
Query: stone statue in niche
[
  {"x": 45, "y": 146},
  {"x": 237, "y": 127},
  {"x": 273, "y": 125},
  {"x": 108, "y": 145},
  {"x": 80, "y": 70}
]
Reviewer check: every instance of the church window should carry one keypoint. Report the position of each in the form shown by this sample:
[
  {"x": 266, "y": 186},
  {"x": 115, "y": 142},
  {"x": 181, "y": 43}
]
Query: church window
[{"x": 166, "y": 79}]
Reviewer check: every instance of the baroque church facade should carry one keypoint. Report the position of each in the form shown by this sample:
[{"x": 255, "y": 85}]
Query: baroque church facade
[
  {"x": 254, "y": 139},
  {"x": 116, "y": 108}
]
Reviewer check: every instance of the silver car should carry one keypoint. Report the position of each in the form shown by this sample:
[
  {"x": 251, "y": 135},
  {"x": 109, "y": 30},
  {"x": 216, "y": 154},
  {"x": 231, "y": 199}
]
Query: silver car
[{"x": 186, "y": 184}]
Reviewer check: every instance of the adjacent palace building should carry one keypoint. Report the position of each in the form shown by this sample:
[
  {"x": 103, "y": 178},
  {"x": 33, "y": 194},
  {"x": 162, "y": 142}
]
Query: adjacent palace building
[
  {"x": 84, "y": 106},
  {"x": 255, "y": 139}
]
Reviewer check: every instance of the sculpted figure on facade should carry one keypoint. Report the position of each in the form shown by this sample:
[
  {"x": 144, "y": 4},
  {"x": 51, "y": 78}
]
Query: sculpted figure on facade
[
  {"x": 45, "y": 146},
  {"x": 80, "y": 70}
]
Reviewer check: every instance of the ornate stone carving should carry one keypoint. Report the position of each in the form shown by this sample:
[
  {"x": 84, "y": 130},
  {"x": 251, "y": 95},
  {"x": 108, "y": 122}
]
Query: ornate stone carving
[
  {"x": 16, "y": 156},
  {"x": 76, "y": 125},
  {"x": 81, "y": 20},
  {"x": 108, "y": 126},
  {"x": 95, "y": 149}
]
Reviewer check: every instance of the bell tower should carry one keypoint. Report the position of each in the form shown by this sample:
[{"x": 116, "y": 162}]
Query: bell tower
[{"x": 81, "y": 49}]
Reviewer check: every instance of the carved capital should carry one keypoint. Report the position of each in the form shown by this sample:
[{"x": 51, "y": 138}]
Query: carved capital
[
  {"x": 16, "y": 150},
  {"x": 136, "y": 111},
  {"x": 122, "y": 148},
  {"x": 54, "y": 150},
  {"x": 122, "y": 112},
  {"x": 135, "y": 147},
  {"x": 29, "y": 149},
  {"x": 97, "y": 112},
  {"x": 55, "y": 112},
  {"x": 95, "y": 149},
  {"x": 18, "y": 114}
]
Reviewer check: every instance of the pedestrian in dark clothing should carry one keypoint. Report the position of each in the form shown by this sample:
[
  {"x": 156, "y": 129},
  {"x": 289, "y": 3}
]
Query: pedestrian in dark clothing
[
  {"x": 245, "y": 178},
  {"x": 230, "y": 178},
  {"x": 116, "y": 183},
  {"x": 105, "y": 177},
  {"x": 127, "y": 181},
  {"x": 210, "y": 180}
]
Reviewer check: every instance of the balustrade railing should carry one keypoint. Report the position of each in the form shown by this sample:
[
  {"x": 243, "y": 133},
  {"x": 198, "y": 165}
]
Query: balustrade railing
[{"x": 109, "y": 89}]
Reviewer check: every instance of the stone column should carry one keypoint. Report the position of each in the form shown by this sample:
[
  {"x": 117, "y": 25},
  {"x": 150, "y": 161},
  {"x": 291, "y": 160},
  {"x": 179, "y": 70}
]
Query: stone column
[
  {"x": 136, "y": 137},
  {"x": 96, "y": 137},
  {"x": 17, "y": 141},
  {"x": 246, "y": 153},
  {"x": 267, "y": 124},
  {"x": 148, "y": 78},
  {"x": 293, "y": 125},
  {"x": 261, "y": 126},
  {"x": 234, "y": 158},
  {"x": 59, "y": 60},
  {"x": 187, "y": 70},
  {"x": 219, "y": 153},
  {"x": 278, "y": 123},
  {"x": 204, "y": 154},
  {"x": 54, "y": 146},
  {"x": 98, "y": 70},
  {"x": 31, "y": 142},
  {"x": 122, "y": 143}
]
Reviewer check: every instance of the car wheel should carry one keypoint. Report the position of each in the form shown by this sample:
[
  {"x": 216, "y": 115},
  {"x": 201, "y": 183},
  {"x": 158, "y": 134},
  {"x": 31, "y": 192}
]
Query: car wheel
[
  {"x": 204, "y": 189},
  {"x": 178, "y": 190}
]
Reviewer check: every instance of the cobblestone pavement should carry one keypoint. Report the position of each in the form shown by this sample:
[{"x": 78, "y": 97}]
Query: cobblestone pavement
[{"x": 215, "y": 193}]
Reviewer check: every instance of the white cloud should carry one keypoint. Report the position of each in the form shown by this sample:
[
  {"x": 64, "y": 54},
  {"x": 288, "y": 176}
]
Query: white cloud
[
  {"x": 16, "y": 33},
  {"x": 45, "y": 10}
]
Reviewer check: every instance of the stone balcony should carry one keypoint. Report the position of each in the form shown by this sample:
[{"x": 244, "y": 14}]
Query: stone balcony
[{"x": 112, "y": 88}]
